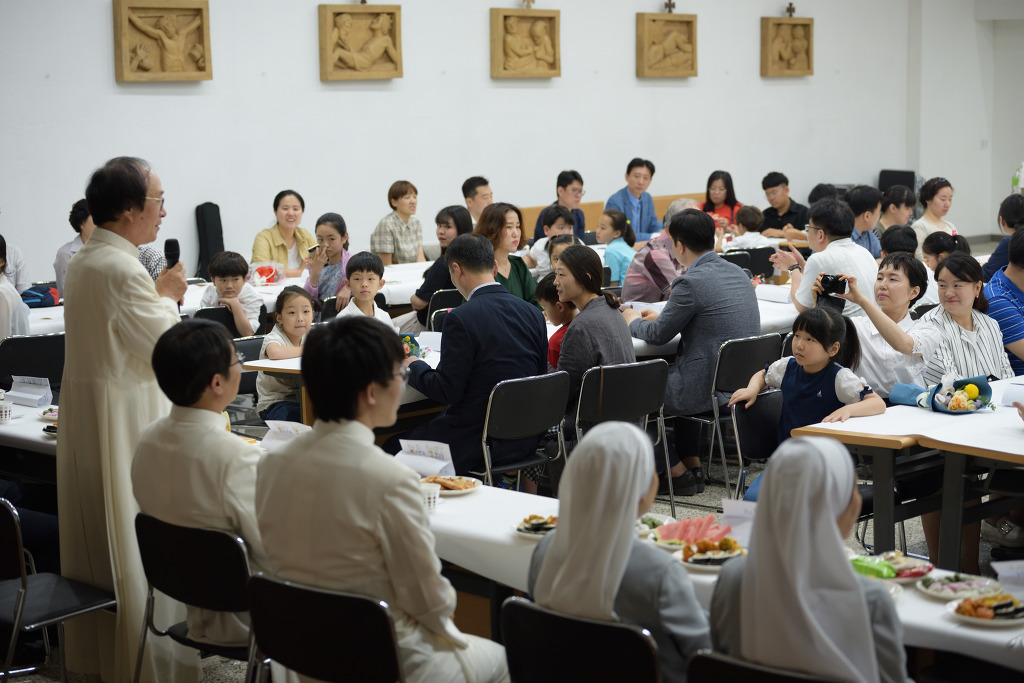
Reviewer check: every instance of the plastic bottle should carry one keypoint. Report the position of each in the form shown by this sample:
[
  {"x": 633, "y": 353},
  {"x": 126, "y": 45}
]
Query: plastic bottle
[{"x": 1017, "y": 184}]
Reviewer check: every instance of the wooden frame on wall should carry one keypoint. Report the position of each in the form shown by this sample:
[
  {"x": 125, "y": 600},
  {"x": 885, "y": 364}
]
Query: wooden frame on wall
[
  {"x": 525, "y": 43},
  {"x": 666, "y": 45},
  {"x": 787, "y": 46},
  {"x": 162, "y": 40},
  {"x": 360, "y": 42}
]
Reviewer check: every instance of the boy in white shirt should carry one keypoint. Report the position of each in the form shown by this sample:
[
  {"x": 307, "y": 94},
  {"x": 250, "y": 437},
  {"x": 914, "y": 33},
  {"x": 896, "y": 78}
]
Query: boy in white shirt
[
  {"x": 188, "y": 469},
  {"x": 365, "y": 277},
  {"x": 828, "y": 235},
  {"x": 228, "y": 271},
  {"x": 747, "y": 234},
  {"x": 557, "y": 220}
]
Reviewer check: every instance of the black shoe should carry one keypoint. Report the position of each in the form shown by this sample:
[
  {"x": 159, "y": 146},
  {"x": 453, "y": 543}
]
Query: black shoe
[{"x": 689, "y": 483}]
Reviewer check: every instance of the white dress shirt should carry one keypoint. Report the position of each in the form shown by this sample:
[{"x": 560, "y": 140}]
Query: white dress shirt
[
  {"x": 883, "y": 366},
  {"x": 190, "y": 471},
  {"x": 378, "y": 313},
  {"x": 60, "y": 262}
]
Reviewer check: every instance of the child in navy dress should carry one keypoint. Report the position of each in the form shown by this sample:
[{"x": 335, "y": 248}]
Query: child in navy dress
[{"x": 816, "y": 381}]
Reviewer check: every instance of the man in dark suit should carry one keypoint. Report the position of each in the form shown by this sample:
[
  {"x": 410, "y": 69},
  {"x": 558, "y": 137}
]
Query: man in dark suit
[
  {"x": 492, "y": 337},
  {"x": 711, "y": 302}
]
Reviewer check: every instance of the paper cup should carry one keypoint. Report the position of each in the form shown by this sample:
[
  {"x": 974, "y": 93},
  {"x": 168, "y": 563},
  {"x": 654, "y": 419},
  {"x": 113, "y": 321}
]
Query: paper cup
[
  {"x": 7, "y": 411},
  {"x": 430, "y": 493}
]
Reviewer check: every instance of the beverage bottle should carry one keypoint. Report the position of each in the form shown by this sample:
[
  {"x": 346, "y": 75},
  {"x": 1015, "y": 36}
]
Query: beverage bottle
[{"x": 1017, "y": 184}]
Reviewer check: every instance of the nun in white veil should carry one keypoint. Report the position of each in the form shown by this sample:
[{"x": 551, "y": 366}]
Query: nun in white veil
[
  {"x": 795, "y": 602},
  {"x": 595, "y": 566}
]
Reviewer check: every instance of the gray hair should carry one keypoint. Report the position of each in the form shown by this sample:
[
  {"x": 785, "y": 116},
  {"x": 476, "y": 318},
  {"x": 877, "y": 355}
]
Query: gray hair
[{"x": 679, "y": 205}]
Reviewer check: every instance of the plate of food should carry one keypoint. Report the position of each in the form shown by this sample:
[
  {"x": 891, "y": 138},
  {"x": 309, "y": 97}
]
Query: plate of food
[
  {"x": 958, "y": 586},
  {"x": 535, "y": 527},
  {"x": 646, "y": 525},
  {"x": 707, "y": 558},
  {"x": 50, "y": 430},
  {"x": 49, "y": 415},
  {"x": 672, "y": 536},
  {"x": 892, "y": 566},
  {"x": 1001, "y": 610},
  {"x": 453, "y": 486}
]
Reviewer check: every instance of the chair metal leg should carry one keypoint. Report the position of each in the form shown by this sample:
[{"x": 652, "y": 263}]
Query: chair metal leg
[
  {"x": 63, "y": 653},
  {"x": 721, "y": 450},
  {"x": 668, "y": 465},
  {"x": 142, "y": 639},
  {"x": 903, "y": 538},
  {"x": 15, "y": 628}
]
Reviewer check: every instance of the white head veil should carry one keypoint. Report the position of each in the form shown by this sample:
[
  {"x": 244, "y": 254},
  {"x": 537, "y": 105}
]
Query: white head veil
[
  {"x": 608, "y": 473},
  {"x": 802, "y": 605}
]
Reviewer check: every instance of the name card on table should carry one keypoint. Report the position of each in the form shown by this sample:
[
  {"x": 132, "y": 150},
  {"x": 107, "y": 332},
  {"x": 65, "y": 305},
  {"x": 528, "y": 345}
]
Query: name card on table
[
  {"x": 739, "y": 514},
  {"x": 33, "y": 392},
  {"x": 1011, "y": 575},
  {"x": 426, "y": 457},
  {"x": 1013, "y": 391},
  {"x": 281, "y": 432}
]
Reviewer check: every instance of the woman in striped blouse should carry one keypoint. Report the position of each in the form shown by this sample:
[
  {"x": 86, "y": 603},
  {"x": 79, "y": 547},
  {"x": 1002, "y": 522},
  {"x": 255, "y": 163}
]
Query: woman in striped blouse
[{"x": 971, "y": 341}]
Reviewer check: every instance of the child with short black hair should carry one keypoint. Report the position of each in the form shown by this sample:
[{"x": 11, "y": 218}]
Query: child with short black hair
[
  {"x": 188, "y": 469},
  {"x": 365, "y": 277},
  {"x": 558, "y": 313},
  {"x": 898, "y": 238},
  {"x": 228, "y": 270},
  {"x": 556, "y": 220},
  {"x": 746, "y": 232},
  {"x": 293, "y": 315}
]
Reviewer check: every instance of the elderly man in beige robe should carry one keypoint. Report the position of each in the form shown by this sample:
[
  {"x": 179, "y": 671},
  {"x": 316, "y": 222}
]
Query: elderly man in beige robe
[{"x": 114, "y": 314}]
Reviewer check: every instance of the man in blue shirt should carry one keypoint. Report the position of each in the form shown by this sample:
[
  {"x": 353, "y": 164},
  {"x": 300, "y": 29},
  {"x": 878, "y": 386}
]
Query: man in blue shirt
[
  {"x": 866, "y": 203},
  {"x": 1005, "y": 294},
  {"x": 634, "y": 201}
]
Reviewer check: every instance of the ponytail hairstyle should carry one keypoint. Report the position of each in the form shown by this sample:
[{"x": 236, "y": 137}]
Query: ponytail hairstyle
[
  {"x": 965, "y": 268},
  {"x": 941, "y": 243},
  {"x": 584, "y": 265},
  {"x": 1012, "y": 211},
  {"x": 621, "y": 224},
  {"x": 828, "y": 327},
  {"x": 557, "y": 240}
]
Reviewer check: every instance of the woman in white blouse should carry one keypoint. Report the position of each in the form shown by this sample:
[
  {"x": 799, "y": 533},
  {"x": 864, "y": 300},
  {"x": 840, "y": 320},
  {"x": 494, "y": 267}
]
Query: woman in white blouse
[
  {"x": 972, "y": 343},
  {"x": 937, "y": 196},
  {"x": 13, "y": 311},
  {"x": 894, "y": 347}
]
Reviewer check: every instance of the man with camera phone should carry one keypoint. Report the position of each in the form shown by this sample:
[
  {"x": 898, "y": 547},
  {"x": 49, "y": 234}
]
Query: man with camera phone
[{"x": 828, "y": 235}]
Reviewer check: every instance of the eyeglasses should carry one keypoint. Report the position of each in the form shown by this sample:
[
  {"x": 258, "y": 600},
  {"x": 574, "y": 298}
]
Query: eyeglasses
[
  {"x": 239, "y": 359},
  {"x": 578, "y": 193},
  {"x": 157, "y": 199}
]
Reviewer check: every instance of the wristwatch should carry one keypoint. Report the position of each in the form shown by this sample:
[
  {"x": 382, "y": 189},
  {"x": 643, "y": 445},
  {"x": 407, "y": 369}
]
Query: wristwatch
[{"x": 795, "y": 266}]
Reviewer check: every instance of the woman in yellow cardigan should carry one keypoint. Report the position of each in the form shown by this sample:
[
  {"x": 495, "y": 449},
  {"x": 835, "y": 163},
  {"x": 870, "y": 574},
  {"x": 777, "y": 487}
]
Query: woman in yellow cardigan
[{"x": 285, "y": 242}]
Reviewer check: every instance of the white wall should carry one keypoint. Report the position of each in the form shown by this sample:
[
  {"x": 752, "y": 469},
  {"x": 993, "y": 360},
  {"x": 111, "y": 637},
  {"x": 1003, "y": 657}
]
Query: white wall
[
  {"x": 266, "y": 122},
  {"x": 1007, "y": 106}
]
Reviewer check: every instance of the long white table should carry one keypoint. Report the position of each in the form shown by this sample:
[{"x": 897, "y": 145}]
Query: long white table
[
  {"x": 475, "y": 532},
  {"x": 25, "y": 432}
]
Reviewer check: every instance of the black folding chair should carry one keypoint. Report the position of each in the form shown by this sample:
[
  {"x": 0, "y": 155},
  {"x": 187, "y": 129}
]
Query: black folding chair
[
  {"x": 712, "y": 667},
  {"x": 324, "y": 634},
  {"x": 31, "y": 601},
  {"x": 437, "y": 320},
  {"x": 787, "y": 345},
  {"x": 195, "y": 281},
  {"x": 36, "y": 355},
  {"x": 219, "y": 314},
  {"x": 204, "y": 568},
  {"x": 739, "y": 257},
  {"x": 330, "y": 311},
  {"x": 760, "y": 261},
  {"x": 756, "y": 429},
  {"x": 521, "y": 409},
  {"x": 607, "y": 277},
  {"x": 588, "y": 649},
  {"x": 629, "y": 392},
  {"x": 921, "y": 310},
  {"x": 442, "y": 299},
  {"x": 738, "y": 360},
  {"x": 590, "y": 238}
]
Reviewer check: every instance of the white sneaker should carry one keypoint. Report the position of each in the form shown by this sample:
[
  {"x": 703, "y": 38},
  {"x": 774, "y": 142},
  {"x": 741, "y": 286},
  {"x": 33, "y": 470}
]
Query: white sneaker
[{"x": 1004, "y": 533}]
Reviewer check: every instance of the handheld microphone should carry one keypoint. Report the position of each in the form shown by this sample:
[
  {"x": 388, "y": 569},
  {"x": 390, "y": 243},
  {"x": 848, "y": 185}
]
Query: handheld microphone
[{"x": 172, "y": 252}]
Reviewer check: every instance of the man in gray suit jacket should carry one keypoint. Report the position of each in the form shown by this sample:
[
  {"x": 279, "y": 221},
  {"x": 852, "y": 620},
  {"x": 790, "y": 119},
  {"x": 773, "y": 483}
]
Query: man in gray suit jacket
[{"x": 713, "y": 301}]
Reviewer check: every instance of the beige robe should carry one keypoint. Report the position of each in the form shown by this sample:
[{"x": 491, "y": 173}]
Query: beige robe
[{"x": 109, "y": 394}]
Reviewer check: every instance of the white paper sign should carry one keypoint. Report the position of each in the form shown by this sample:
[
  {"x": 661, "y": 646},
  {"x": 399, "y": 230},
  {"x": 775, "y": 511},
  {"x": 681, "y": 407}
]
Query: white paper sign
[
  {"x": 1011, "y": 575},
  {"x": 739, "y": 514},
  {"x": 281, "y": 432},
  {"x": 1012, "y": 392},
  {"x": 426, "y": 457},
  {"x": 33, "y": 392}
]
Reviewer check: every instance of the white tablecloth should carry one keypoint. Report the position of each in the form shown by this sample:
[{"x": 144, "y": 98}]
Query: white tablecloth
[
  {"x": 46, "y": 320},
  {"x": 25, "y": 431}
]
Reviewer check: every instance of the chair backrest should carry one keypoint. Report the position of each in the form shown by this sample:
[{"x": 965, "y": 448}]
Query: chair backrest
[
  {"x": 262, "y": 320},
  {"x": 37, "y": 355},
  {"x": 757, "y": 428},
  {"x": 324, "y": 634},
  {"x": 607, "y": 276},
  {"x": 211, "y": 236},
  {"x": 584, "y": 649},
  {"x": 330, "y": 309},
  {"x": 380, "y": 301},
  {"x": 218, "y": 314},
  {"x": 12, "y": 552},
  {"x": 711, "y": 667},
  {"x": 195, "y": 281},
  {"x": 921, "y": 310},
  {"x": 520, "y": 408},
  {"x": 443, "y": 299},
  {"x": 760, "y": 261},
  {"x": 739, "y": 257},
  {"x": 739, "y": 359},
  {"x": 590, "y": 238},
  {"x": 249, "y": 347},
  {"x": 628, "y": 392},
  {"x": 205, "y": 568},
  {"x": 436, "y": 321},
  {"x": 787, "y": 346}
]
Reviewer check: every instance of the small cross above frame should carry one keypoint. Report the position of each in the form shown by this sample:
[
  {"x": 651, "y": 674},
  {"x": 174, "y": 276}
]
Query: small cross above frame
[
  {"x": 529, "y": 3},
  {"x": 790, "y": 10},
  {"x": 669, "y": 6}
]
